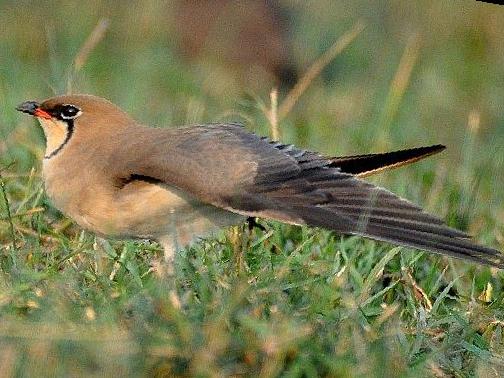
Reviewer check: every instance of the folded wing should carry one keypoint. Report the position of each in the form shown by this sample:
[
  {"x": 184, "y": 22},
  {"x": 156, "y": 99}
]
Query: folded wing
[{"x": 227, "y": 166}]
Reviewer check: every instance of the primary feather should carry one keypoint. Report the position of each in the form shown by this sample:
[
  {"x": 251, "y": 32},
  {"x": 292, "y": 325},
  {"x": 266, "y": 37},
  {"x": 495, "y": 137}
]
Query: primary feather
[{"x": 231, "y": 168}]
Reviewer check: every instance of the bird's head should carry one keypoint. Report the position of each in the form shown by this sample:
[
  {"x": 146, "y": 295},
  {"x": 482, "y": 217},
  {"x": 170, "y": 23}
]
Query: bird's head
[{"x": 62, "y": 116}]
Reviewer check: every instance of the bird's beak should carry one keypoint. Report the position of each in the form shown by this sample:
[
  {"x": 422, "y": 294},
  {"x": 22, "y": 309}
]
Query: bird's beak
[{"x": 33, "y": 108}]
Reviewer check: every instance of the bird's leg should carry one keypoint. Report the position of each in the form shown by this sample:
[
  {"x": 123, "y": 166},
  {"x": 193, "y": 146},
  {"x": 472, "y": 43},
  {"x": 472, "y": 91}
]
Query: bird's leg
[
  {"x": 240, "y": 237},
  {"x": 236, "y": 239},
  {"x": 247, "y": 232},
  {"x": 170, "y": 247},
  {"x": 252, "y": 222},
  {"x": 99, "y": 246}
]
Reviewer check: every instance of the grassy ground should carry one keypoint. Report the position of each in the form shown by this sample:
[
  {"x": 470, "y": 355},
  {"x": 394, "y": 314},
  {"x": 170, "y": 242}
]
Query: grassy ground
[{"x": 284, "y": 301}]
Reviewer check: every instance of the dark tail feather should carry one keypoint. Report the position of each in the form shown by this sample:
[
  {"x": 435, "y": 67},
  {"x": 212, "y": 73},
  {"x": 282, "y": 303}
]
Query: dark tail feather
[
  {"x": 364, "y": 165},
  {"x": 436, "y": 239}
]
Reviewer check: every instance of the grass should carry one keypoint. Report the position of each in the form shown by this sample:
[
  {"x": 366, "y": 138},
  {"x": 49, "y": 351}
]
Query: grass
[{"x": 284, "y": 301}]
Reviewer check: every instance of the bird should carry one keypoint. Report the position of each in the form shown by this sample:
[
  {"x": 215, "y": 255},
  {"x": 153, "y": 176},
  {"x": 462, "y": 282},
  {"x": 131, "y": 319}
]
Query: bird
[{"x": 124, "y": 180}]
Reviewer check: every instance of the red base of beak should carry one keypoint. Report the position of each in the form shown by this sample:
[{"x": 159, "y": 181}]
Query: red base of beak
[{"x": 42, "y": 114}]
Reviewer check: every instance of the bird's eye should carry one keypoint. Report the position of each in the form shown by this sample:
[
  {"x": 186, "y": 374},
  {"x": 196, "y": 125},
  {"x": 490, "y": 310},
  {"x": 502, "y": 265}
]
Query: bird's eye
[{"x": 70, "y": 112}]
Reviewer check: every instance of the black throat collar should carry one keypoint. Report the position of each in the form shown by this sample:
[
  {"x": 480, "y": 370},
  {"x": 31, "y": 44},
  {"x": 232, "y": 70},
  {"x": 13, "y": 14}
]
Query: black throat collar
[{"x": 69, "y": 133}]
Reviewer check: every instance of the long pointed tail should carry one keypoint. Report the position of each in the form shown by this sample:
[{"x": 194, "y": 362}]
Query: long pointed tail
[{"x": 365, "y": 165}]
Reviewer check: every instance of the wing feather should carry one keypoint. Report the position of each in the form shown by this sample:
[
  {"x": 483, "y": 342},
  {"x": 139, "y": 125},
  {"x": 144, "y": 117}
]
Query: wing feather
[
  {"x": 365, "y": 165},
  {"x": 224, "y": 165}
]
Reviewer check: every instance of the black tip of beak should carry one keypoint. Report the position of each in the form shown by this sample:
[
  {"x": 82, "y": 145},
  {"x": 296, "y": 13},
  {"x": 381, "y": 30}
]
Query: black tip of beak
[{"x": 28, "y": 107}]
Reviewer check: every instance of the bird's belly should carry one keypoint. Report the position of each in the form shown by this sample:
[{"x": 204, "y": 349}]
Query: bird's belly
[
  {"x": 156, "y": 211},
  {"x": 140, "y": 209}
]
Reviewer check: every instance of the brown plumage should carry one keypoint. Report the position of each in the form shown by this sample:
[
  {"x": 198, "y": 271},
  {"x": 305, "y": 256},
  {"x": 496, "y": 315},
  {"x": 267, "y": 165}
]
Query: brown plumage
[{"x": 120, "y": 179}]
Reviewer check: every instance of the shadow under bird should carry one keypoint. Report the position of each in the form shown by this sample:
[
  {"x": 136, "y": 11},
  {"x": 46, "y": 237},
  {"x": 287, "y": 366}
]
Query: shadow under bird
[{"x": 121, "y": 179}]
